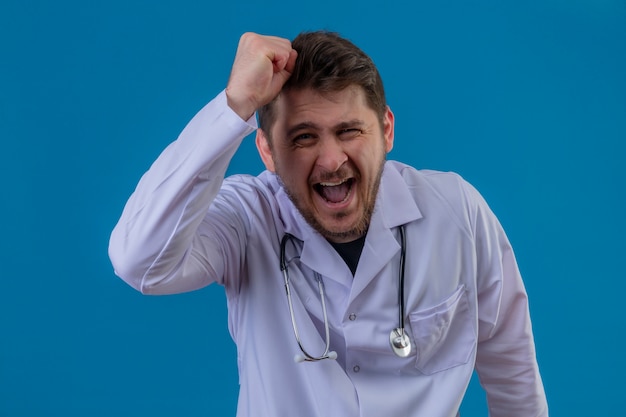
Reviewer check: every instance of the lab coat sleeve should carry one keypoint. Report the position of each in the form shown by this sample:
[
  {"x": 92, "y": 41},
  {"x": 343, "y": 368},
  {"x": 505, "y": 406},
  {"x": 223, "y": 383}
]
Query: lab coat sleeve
[
  {"x": 506, "y": 360},
  {"x": 155, "y": 246}
]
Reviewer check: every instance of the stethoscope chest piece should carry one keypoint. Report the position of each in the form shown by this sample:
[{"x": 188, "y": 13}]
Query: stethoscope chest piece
[{"x": 400, "y": 342}]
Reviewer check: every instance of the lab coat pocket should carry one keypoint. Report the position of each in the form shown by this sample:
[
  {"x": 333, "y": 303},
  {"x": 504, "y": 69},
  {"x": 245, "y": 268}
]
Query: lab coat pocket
[{"x": 444, "y": 334}]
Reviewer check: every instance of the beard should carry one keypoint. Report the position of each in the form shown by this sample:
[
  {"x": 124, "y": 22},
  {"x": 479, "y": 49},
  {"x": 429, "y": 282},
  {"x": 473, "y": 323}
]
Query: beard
[{"x": 358, "y": 229}]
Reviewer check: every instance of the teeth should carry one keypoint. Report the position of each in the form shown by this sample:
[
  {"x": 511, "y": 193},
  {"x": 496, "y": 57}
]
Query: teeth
[{"x": 332, "y": 184}]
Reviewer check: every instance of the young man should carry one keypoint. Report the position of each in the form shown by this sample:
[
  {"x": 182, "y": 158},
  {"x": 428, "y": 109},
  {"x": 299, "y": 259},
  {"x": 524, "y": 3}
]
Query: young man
[{"x": 399, "y": 282}]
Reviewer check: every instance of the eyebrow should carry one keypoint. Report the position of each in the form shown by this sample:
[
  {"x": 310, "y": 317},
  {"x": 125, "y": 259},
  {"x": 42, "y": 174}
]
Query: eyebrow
[{"x": 310, "y": 125}]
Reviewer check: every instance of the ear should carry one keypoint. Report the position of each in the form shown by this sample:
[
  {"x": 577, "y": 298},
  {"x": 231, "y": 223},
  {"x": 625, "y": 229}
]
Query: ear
[
  {"x": 388, "y": 126},
  {"x": 265, "y": 151}
]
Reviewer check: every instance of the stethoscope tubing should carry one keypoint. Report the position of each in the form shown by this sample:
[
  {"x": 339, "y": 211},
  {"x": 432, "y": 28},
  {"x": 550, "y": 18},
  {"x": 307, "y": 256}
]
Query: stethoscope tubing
[
  {"x": 401, "y": 283},
  {"x": 320, "y": 283},
  {"x": 402, "y": 350}
]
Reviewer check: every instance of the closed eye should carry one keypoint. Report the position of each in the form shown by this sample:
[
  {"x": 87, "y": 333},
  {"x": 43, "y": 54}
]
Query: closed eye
[
  {"x": 304, "y": 139},
  {"x": 349, "y": 133}
]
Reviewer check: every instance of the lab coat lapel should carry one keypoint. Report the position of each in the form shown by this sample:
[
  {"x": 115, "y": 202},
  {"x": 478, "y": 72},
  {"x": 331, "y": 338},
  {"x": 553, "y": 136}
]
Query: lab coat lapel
[
  {"x": 378, "y": 251},
  {"x": 320, "y": 256},
  {"x": 395, "y": 206},
  {"x": 316, "y": 253}
]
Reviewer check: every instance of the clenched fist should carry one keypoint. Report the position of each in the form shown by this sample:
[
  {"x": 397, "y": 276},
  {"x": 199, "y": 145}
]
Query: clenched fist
[{"x": 262, "y": 66}]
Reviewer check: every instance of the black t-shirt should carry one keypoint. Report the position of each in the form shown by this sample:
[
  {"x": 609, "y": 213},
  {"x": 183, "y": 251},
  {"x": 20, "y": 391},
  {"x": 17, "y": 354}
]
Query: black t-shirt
[{"x": 350, "y": 252}]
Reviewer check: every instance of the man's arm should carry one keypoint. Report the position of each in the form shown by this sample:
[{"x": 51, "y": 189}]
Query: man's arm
[
  {"x": 151, "y": 246},
  {"x": 506, "y": 360}
]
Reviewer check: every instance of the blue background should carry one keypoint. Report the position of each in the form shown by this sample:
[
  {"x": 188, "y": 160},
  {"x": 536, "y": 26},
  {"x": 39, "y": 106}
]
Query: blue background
[{"x": 525, "y": 99}]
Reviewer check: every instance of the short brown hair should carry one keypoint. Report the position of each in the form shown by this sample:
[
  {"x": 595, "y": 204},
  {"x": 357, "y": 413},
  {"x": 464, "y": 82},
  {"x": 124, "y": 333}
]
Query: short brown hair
[{"x": 328, "y": 63}]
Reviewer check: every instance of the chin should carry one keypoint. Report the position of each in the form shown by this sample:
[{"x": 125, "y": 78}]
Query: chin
[{"x": 344, "y": 232}]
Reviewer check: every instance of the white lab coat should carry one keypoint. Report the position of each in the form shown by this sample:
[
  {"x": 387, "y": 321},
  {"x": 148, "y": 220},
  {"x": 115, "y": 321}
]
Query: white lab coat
[{"x": 185, "y": 227}]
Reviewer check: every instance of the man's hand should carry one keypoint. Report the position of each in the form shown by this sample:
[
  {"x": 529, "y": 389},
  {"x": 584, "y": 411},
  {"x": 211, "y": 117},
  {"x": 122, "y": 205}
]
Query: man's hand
[{"x": 262, "y": 66}]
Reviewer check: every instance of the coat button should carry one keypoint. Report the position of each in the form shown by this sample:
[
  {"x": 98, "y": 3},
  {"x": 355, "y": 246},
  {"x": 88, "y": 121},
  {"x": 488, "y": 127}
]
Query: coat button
[
  {"x": 352, "y": 317},
  {"x": 356, "y": 368}
]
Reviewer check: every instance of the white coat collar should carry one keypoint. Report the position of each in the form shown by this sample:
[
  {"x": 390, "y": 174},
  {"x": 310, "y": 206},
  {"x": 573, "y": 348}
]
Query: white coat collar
[{"x": 395, "y": 206}]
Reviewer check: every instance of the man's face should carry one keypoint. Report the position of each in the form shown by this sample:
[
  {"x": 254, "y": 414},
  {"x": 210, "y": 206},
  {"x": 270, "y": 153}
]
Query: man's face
[{"x": 329, "y": 153}]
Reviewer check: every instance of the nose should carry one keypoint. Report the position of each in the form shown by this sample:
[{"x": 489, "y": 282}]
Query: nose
[{"x": 331, "y": 155}]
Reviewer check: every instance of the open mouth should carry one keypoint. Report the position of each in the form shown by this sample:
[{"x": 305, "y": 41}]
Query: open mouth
[{"x": 335, "y": 192}]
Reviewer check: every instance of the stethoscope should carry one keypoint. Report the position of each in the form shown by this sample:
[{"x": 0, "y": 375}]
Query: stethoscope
[{"x": 398, "y": 339}]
